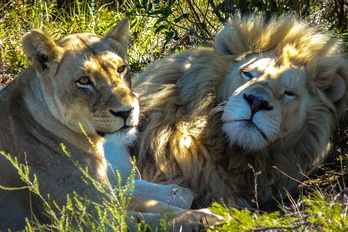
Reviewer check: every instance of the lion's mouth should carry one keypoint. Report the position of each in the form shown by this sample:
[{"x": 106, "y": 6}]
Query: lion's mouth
[
  {"x": 101, "y": 134},
  {"x": 125, "y": 128},
  {"x": 250, "y": 124}
]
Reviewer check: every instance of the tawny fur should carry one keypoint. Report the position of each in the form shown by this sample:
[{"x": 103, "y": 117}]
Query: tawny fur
[
  {"x": 69, "y": 81},
  {"x": 182, "y": 100},
  {"x": 79, "y": 79}
]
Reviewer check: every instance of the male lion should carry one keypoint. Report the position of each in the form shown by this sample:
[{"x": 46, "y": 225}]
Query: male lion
[
  {"x": 81, "y": 79},
  {"x": 252, "y": 115}
]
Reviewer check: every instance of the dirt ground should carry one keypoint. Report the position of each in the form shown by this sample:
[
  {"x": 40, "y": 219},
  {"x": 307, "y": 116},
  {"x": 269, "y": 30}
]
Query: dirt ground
[{"x": 332, "y": 175}]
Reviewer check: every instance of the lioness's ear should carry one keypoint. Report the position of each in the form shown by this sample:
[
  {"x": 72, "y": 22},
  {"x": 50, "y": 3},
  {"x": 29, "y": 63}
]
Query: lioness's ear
[
  {"x": 118, "y": 37},
  {"x": 229, "y": 42},
  {"x": 39, "y": 49}
]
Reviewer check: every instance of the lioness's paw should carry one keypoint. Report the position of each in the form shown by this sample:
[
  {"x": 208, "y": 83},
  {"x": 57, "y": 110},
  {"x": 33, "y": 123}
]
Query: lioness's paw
[
  {"x": 170, "y": 194},
  {"x": 194, "y": 220}
]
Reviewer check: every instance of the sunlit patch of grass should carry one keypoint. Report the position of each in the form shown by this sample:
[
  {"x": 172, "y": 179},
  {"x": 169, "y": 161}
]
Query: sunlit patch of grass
[
  {"x": 45, "y": 16},
  {"x": 312, "y": 213},
  {"x": 82, "y": 16}
]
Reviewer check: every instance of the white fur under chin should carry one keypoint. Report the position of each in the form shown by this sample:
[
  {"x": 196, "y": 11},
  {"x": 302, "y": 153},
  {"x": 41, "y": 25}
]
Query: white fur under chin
[
  {"x": 123, "y": 137},
  {"x": 246, "y": 137}
]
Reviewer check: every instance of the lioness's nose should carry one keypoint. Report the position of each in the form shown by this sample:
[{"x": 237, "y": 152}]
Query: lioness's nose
[{"x": 122, "y": 114}]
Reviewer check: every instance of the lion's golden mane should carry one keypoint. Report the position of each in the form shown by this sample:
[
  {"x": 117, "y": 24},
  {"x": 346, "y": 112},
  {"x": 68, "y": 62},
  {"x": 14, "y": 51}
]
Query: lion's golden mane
[{"x": 182, "y": 99}]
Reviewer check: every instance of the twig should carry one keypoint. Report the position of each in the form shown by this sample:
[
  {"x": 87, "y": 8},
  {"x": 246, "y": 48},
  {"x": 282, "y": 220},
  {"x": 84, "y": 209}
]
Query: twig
[
  {"x": 292, "y": 178},
  {"x": 216, "y": 11},
  {"x": 255, "y": 187},
  {"x": 204, "y": 16},
  {"x": 276, "y": 228},
  {"x": 197, "y": 18}
]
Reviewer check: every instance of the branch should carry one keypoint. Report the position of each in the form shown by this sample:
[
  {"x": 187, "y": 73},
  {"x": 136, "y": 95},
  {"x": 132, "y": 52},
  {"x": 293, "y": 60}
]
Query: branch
[
  {"x": 292, "y": 178},
  {"x": 216, "y": 11},
  {"x": 197, "y": 18}
]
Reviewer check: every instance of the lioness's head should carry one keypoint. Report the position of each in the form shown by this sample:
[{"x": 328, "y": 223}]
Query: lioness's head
[
  {"x": 287, "y": 83},
  {"x": 85, "y": 80}
]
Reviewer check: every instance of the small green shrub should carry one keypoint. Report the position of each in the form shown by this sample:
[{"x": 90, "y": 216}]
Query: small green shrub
[
  {"x": 74, "y": 216},
  {"x": 312, "y": 213}
]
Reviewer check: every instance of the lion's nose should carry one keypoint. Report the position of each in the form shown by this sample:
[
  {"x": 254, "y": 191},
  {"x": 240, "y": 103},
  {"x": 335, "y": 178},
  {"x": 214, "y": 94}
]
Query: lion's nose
[
  {"x": 122, "y": 114},
  {"x": 256, "y": 103}
]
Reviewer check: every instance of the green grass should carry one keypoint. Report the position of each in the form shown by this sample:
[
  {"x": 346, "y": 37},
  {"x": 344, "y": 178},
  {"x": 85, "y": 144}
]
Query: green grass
[
  {"x": 316, "y": 208},
  {"x": 75, "y": 215},
  {"x": 318, "y": 211}
]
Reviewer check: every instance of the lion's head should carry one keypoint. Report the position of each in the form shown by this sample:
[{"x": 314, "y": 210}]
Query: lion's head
[
  {"x": 86, "y": 80},
  {"x": 265, "y": 99},
  {"x": 270, "y": 105},
  {"x": 276, "y": 89}
]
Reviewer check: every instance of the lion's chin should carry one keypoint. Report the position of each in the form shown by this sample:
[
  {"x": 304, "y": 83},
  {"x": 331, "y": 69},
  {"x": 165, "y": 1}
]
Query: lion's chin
[
  {"x": 123, "y": 136},
  {"x": 245, "y": 135}
]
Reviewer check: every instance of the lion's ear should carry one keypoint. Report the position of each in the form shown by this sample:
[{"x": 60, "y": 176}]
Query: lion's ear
[
  {"x": 337, "y": 89},
  {"x": 39, "y": 49},
  {"x": 333, "y": 73},
  {"x": 229, "y": 42},
  {"x": 118, "y": 37}
]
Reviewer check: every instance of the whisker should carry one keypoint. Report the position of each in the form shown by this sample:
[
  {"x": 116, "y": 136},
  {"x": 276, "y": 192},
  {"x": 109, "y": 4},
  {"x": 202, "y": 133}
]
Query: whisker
[{"x": 218, "y": 109}]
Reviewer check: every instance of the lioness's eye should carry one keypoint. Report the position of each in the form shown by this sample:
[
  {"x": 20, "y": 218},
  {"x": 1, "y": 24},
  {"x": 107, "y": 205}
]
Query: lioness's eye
[
  {"x": 246, "y": 75},
  {"x": 84, "y": 80},
  {"x": 121, "y": 68}
]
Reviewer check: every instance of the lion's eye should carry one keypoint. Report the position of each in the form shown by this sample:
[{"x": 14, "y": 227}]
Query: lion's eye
[
  {"x": 289, "y": 94},
  {"x": 246, "y": 75},
  {"x": 121, "y": 69},
  {"x": 84, "y": 81}
]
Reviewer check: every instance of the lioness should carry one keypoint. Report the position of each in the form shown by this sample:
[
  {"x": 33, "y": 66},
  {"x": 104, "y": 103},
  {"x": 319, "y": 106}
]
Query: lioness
[
  {"x": 242, "y": 122},
  {"x": 77, "y": 85}
]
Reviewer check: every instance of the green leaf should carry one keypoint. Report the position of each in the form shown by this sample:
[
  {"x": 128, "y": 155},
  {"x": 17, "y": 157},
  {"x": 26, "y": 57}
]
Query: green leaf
[
  {"x": 160, "y": 29},
  {"x": 161, "y": 19},
  {"x": 69, "y": 203}
]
